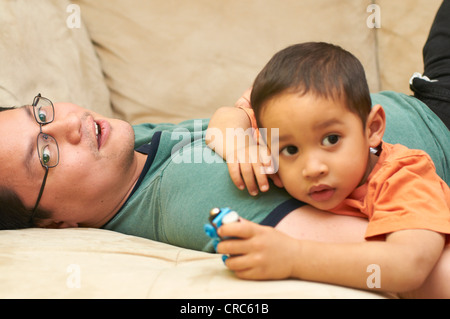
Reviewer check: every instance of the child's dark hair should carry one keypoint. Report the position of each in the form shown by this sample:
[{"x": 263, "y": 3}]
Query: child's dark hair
[{"x": 323, "y": 69}]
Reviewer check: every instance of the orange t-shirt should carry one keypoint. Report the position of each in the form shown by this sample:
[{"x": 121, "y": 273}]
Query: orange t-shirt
[{"x": 402, "y": 192}]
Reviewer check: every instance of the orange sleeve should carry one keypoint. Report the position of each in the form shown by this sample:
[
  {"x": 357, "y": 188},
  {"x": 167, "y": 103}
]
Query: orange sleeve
[{"x": 406, "y": 193}]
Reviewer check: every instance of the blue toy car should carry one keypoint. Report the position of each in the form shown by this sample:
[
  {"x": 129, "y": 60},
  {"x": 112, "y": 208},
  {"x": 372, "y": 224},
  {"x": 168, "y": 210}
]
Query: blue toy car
[{"x": 217, "y": 218}]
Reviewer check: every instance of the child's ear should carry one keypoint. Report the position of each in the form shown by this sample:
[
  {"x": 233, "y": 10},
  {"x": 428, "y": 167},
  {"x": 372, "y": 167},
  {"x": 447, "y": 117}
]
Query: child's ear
[{"x": 375, "y": 125}]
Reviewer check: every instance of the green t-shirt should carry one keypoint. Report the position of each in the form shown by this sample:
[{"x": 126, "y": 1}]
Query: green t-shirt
[
  {"x": 185, "y": 180},
  {"x": 411, "y": 123}
]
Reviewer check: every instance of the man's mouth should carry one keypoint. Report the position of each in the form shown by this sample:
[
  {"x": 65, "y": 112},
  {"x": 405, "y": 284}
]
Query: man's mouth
[
  {"x": 98, "y": 134},
  {"x": 102, "y": 131},
  {"x": 321, "y": 193}
]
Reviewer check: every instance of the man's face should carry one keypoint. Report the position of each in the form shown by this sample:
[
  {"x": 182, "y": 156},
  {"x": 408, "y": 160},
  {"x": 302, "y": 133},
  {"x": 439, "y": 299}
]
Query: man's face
[{"x": 94, "y": 174}]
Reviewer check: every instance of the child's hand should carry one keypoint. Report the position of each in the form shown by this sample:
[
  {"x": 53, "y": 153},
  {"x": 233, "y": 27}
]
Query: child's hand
[
  {"x": 261, "y": 252},
  {"x": 249, "y": 166}
]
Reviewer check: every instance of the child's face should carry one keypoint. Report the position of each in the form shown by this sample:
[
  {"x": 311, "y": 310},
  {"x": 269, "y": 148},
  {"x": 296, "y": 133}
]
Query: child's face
[{"x": 323, "y": 147}]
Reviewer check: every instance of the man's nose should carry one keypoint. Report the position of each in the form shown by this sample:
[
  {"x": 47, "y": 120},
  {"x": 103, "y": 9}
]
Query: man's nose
[{"x": 66, "y": 128}]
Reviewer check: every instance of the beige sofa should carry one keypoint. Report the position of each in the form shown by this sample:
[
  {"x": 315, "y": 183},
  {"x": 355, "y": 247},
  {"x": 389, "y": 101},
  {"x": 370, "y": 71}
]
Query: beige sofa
[{"x": 166, "y": 61}]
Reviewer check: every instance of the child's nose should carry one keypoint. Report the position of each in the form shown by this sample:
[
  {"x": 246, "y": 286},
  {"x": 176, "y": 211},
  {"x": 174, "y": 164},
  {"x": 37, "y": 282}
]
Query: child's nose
[{"x": 315, "y": 168}]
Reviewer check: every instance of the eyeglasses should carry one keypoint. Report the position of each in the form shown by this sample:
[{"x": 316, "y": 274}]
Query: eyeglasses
[{"x": 47, "y": 147}]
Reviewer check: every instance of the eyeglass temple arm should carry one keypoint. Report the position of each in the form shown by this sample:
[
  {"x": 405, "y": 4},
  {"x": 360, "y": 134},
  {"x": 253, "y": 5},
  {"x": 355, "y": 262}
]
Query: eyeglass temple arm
[
  {"x": 37, "y": 96},
  {"x": 41, "y": 191}
]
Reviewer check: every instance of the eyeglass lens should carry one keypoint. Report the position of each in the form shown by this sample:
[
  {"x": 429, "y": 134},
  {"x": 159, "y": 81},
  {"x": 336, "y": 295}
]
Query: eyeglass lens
[
  {"x": 43, "y": 110},
  {"x": 47, "y": 146}
]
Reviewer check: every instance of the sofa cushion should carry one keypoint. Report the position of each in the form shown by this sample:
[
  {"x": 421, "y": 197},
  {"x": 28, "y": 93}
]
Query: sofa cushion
[
  {"x": 169, "y": 60},
  {"x": 404, "y": 30},
  {"x": 97, "y": 263},
  {"x": 40, "y": 52}
]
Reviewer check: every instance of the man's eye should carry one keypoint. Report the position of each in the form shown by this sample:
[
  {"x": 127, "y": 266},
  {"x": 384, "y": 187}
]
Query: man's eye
[
  {"x": 45, "y": 155},
  {"x": 42, "y": 114},
  {"x": 330, "y": 140},
  {"x": 289, "y": 150}
]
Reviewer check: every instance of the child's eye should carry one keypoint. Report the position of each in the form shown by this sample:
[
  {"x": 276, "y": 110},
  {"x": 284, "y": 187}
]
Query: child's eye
[
  {"x": 330, "y": 140},
  {"x": 289, "y": 150}
]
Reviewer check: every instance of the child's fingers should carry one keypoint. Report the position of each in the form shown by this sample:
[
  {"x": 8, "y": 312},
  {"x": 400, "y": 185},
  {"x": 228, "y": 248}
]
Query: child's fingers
[
  {"x": 235, "y": 174},
  {"x": 241, "y": 171},
  {"x": 243, "y": 176},
  {"x": 233, "y": 247},
  {"x": 261, "y": 179},
  {"x": 240, "y": 264},
  {"x": 266, "y": 168},
  {"x": 266, "y": 161},
  {"x": 254, "y": 173},
  {"x": 245, "y": 264},
  {"x": 245, "y": 268},
  {"x": 249, "y": 169},
  {"x": 235, "y": 238},
  {"x": 248, "y": 176},
  {"x": 244, "y": 229},
  {"x": 276, "y": 180}
]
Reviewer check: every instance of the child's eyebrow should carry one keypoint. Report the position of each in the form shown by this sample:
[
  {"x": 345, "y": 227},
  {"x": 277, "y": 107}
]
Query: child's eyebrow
[
  {"x": 327, "y": 123},
  {"x": 283, "y": 138}
]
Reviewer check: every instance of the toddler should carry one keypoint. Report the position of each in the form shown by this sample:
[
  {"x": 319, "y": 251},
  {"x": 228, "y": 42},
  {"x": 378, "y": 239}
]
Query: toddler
[{"x": 331, "y": 155}]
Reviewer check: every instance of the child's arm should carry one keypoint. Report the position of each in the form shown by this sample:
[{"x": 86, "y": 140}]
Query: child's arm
[
  {"x": 402, "y": 262},
  {"x": 224, "y": 118},
  {"x": 246, "y": 159}
]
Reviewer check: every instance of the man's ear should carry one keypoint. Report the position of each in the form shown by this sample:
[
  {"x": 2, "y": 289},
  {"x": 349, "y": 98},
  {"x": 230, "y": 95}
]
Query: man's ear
[{"x": 375, "y": 125}]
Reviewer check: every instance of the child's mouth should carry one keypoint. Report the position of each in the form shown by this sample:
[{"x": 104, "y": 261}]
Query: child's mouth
[{"x": 321, "y": 193}]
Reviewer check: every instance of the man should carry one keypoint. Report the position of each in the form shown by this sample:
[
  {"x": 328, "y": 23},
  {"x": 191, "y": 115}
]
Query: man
[{"x": 70, "y": 167}]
